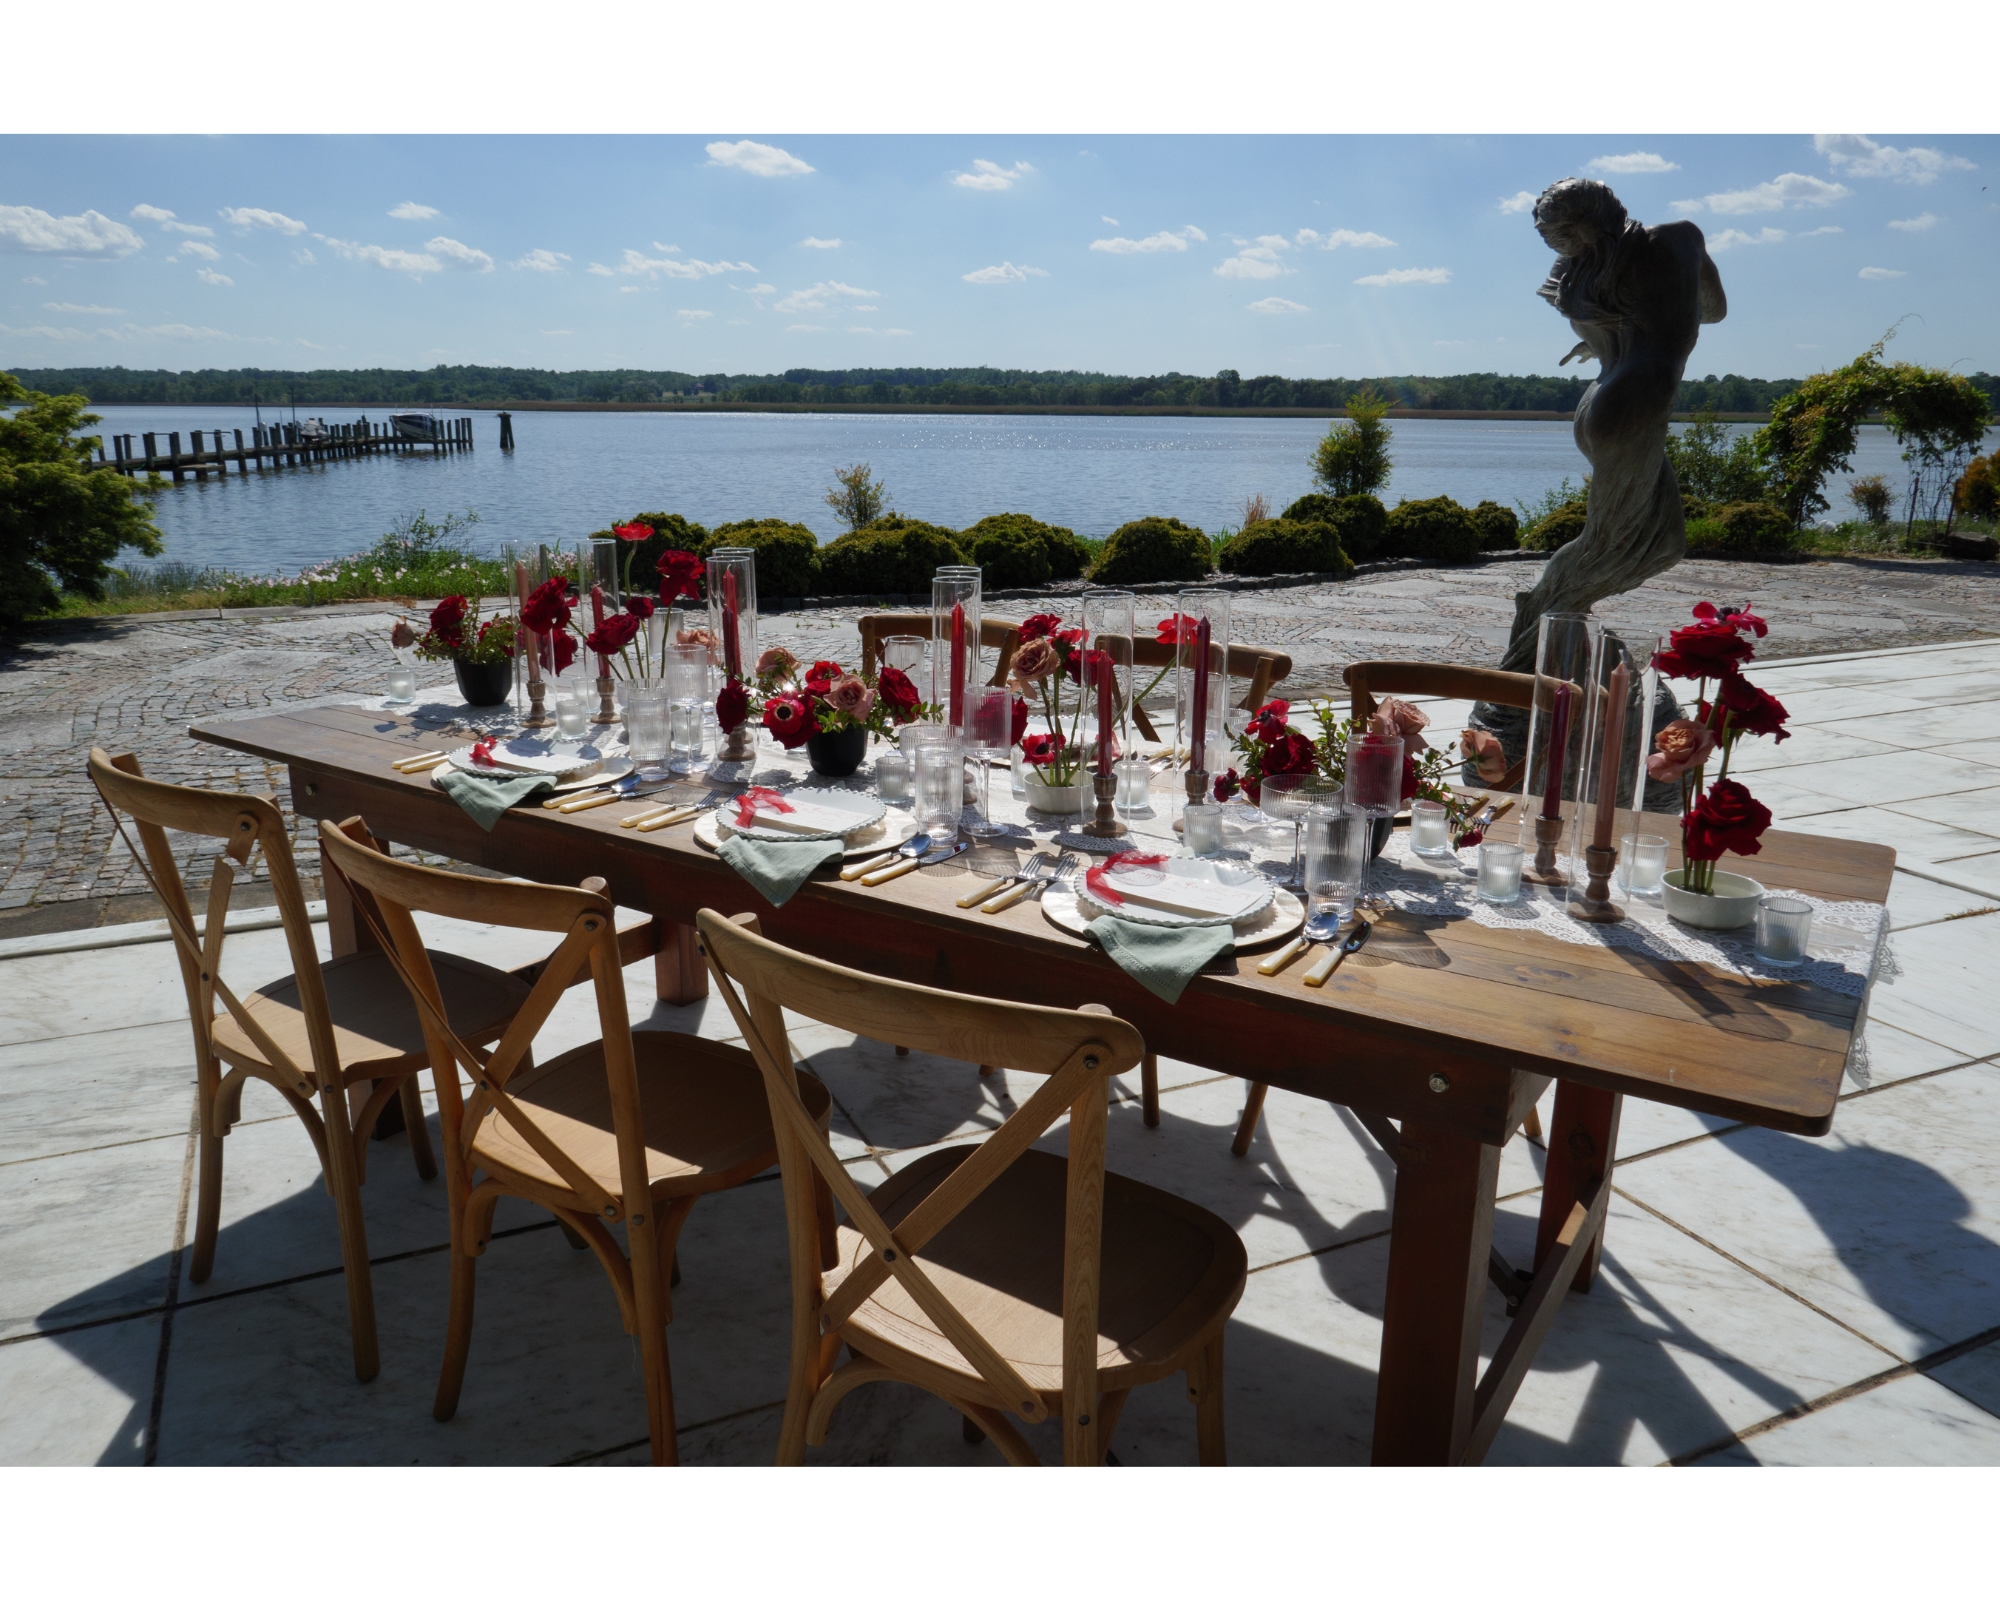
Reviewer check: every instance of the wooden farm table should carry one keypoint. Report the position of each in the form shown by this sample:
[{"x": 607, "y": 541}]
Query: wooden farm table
[{"x": 1455, "y": 1050}]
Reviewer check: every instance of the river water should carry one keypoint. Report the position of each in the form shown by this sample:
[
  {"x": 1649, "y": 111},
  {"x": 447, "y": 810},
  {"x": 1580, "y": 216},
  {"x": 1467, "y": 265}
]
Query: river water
[{"x": 573, "y": 472}]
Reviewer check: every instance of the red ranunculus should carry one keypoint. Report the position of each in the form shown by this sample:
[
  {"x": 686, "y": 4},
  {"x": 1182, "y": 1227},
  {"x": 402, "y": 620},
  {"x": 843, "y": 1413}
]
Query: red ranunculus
[
  {"x": 1177, "y": 629},
  {"x": 1271, "y": 721},
  {"x": 732, "y": 706},
  {"x": 1020, "y": 722},
  {"x": 448, "y": 618},
  {"x": 680, "y": 574},
  {"x": 824, "y": 675},
  {"x": 1710, "y": 647},
  {"x": 547, "y": 610},
  {"x": 632, "y": 532},
  {"x": 1078, "y": 662},
  {"x": 1292, "y": 753},
  {"x": 898, "y": 693},
  {"x": 1040, "y": 626},
  {"x": 1752, "y": 710},
  {"x": 1040, "y": 749},
  {"x": 1227, "y": 783},
  {"x": 789, "y": 718},
  {"x": 1728, "y": 817},
  {"x": 639, "y": 605},
  {"x": 563, "y": 643},
  {"x": 614, "y": 633},
  {"x": 1741, "y": 618}
]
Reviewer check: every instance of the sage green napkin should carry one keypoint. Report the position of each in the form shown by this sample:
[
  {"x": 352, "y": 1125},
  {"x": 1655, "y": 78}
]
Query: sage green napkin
[
  {"x": 776, "y": 867},
  {"x": 1165, "y": 960},
  {"x": 486, "y": 800}
]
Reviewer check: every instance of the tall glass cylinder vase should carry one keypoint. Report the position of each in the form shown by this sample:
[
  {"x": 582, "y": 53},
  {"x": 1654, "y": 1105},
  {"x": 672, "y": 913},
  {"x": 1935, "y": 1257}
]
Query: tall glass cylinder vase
[
  {"x": 954, "y": 644},
  {"x": 1107, "y": 678},
  {"x": 1201, "y": 684},
  {"x": 510, "y": 558},
  {"x": 1566, "y": 652},
  {"x": 1617, "y": 729},
  {"x": 732, "y": 618}
]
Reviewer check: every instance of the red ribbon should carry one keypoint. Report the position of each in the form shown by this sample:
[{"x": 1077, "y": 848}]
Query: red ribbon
[
  {"x": 1099, "y": 878},
  {"x": 751, "y": 801},
  {"x": 482, "y": 753}
]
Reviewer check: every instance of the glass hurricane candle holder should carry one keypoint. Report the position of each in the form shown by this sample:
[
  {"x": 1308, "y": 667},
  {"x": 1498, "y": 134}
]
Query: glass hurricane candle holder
[
  {"x": 732, "y": 619},
  {"x": 1565, "y": 655},
  {"x": 1199, "y": 631},
  {"x": 1611, "y": 777},
  {"x": 1107, "y": 678},
  {"x": 954, "y": 643}
]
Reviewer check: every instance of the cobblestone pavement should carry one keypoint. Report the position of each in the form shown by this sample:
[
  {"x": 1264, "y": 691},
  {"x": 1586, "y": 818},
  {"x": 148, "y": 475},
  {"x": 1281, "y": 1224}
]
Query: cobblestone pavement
[{"x": 137, "y": 686}]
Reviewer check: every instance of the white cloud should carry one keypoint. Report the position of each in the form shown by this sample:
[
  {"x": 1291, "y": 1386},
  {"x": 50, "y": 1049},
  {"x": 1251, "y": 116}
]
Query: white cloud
[
  {"x": 810, "y": 243},
  {"x": 305, "y": 257},
  {"x": 805, "y": 327},
  {"x": 1684, "y": 208},
  {"x": 1915, "y": 224},
  {"x": 310, "y": 345},
  {"x": 1637, "y": 161},
  {"x": 824, "y": 297},
  {"x": 1401, "y": 275},
  {"x": 1259, "y": 260},
  {"x": 599, "y": 269},
  {"x": 44, "y": 282},
  {"x": 1006, "y": 272},
  {"x": 167, "y": 223},
  {"x": 1814, "y": 233},
  {"x": 1276, "y": 306},
  {"x": 902, "y": 331},
  {"x": 1794, "y": 189},
  {"x": 1876, "y": 274},
  {"x": 991, "y": 175},
  {"x": 637, "y": 264},
  {"x": 1718, "y": 242},
  {"x": 33, "y": 232},
  {"x": 194, "y": 247},
  {"x": 83, "y": 311},
  {"x": 180, "y": 332},
  {"x": 1113, "y": 221},
  {"x": 459, "y": 257},
  {"x": 1347, "y": 237},
  {"x": 410, "y": 261},
  {"x": 540, "y": 261},
  {"x": 1521, "y": 200},
  {"x": 257, "y": 217},
  {"x": 693, "y": 316},
  {"x": 410, "y": 211},
  {"x": 1152, "y": 244},
  {"x": 759, "y": 160},
  {"x": 755, "y": 289},
  {"x": 218, "y": 279},
  {"x": 1861, "y": 157},
  {"x": 637, "y": 288}
]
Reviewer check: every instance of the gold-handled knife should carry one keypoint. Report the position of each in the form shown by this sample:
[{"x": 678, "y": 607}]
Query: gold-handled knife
[
  {"x": 1280, "y": 959},
  {"x": 1321, "y": 970}
]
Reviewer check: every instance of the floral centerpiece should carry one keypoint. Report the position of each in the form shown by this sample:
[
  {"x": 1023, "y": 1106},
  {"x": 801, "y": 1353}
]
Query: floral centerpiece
[
  {"x": 481, "y": 653},
  {"x": 1047, "y": 655},
  {"x": 1721, "y": 816},
  {"x": 828, "y": 709},
  {"x": 622, "y": 640}
]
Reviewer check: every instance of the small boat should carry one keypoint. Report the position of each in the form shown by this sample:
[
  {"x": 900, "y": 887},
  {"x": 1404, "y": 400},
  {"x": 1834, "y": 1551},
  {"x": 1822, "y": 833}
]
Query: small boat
[
  {"x": 312, "y": 431},
  {"x": 418, "y": 425}
]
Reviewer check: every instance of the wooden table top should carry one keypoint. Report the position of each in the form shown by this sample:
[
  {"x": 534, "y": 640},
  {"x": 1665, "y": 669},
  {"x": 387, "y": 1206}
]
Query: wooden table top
[{"x": 1494, "y": 1012}]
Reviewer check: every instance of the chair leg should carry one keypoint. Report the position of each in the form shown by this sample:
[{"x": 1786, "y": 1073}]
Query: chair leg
[
  {"x": 1205, "y": 1390},
  {"x": 576, "y": 1240},
  {"x": 829, "y": 1228},
  {"x": 1149, "y": 1089},
  {"x": 1246, "y": 1129},
  {"x": 457, "y": 1334},
  {"x": 208, "y": 1199},
  {"x": 645, "y": 1245},
  {"x": 1531, "y": 1124},
  {"x": 412, "y": 1100},
  {"x": 1110, "y": 1407},
  {"x": 343, "y": 1183}
]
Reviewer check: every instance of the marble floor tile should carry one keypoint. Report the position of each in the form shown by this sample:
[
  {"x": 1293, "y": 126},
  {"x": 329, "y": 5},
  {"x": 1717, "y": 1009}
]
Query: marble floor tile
[
  {"x": 1847, "y": 779},
  {"x": 61, "y": 1095},
  {"x": 1980, "y": 872},
  {"x": 1941, "y": 991},
  {"x": 1808, "y": 746},
  {"x": 80, "y": 1398},
  {"x": 1975, "y": 1376},
  {"x": 1912, "y": 838},
  {"x": 1891, "y": 1223},
  {"x": 1914, "y": 901},
  {"x": 1811, "y": 707},
  {"x": 1945, "y": 729},
  {"x": 1894, "y": 1055},
  {"x": 1908, "y": 1422}
]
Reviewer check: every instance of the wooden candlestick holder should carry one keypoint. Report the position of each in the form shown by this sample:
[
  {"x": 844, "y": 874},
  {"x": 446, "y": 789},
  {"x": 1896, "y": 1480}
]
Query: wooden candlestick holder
[
  {"x": 739, "y": 744},
  {"x": 1104, "y": 784},
  {"x": 1195, "y": 780},
  {"x": 607, "y": 700},
  {"x": 538, "y": 716},
  {"x": 1543, "y": 869},
  {"x": 1596, "y": 904}
]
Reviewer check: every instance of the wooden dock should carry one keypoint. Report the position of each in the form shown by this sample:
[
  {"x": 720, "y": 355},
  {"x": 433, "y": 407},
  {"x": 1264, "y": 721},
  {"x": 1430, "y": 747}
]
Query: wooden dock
[{"x": 280, "y": 444}]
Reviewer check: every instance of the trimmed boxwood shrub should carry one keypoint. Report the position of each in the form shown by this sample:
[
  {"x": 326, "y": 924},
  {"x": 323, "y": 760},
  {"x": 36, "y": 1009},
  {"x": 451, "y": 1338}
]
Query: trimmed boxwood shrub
[
  {"x": 1750, "y": 530},
  {"x": 1499, "y": 528},
  {"x": 1154, "y": 550},
  {"x": 1438, "y": 529},
  {"x": 1280, "y": 545},
  {"x": 1008, "y": 556},
  {"x": 787, "y": 553},
  {"x": 1359, "y": 521},
  {"x": 671, "y": 531},
  {"x": 1067, "y": 554},
  {"x": 892, "y": 555},
  {"x": 1557, "y": 528}
]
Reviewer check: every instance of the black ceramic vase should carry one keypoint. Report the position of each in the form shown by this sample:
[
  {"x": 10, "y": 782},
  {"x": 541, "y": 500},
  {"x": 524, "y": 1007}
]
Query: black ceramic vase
[
  {"x": 836, "y": 755},
  {"x": 484, "y": 683}
]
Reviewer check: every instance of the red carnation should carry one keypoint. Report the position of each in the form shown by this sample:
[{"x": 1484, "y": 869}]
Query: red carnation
[
  {"x": 732, "y": 706},
  {"x": 680, "y": 574},
  {"x": 1040, "y": 626},
  {"x": 1752, "y": 710},
  {"x": 1040, "y": 749},
  {"x": 1710, "y": 647},
  {"x": 898, "y": 694},
  {"x": 1228, "y": 783},
  {"x": 789, "y": 718},
  {"x": 1729, "y": 818},
  {"x": 633, "y": 532},
  {"x": 1741, "y": 618},
  {"x": 448, "y": 618},
  {"x": 823, "y": 676},
  {"x": 614, "y": 633},
  {"x": 639, "y": 606},
  {"x": 547, "y": 610}
]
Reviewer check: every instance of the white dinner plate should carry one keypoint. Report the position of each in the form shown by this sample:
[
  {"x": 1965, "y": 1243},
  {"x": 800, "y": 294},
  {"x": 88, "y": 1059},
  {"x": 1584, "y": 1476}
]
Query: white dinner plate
[
  {"x": 1283, "y": 915},
  {"x": 614, "y": 768},
  {"x": 868, "y": 810},
  {"x": 885, "y": 833},
  {"x": 1195, "y": 868}
]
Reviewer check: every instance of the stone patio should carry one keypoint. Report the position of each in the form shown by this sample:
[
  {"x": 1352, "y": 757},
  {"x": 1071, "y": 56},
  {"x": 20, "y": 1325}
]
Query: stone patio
[{"x": 1765, "y": 1298}]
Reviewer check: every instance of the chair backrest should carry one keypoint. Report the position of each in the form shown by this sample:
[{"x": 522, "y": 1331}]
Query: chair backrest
[
  {"x": 878, "y": 626},
  {"x": 1260, "y": 664},
  {"x": 1078, "y": 1052},
  {"x": 584, "y": 917},
  {"x": 1365, "y": 679},
  {"x": 245, "y": 822}
]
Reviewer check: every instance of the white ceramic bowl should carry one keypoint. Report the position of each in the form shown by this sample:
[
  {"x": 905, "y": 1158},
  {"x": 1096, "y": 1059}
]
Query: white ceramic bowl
[{"x": 1733, "y": 905}]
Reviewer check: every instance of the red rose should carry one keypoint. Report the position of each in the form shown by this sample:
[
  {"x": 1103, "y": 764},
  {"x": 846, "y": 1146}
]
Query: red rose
[
  {"x": 448, "y": 618},
  {"x": 547, "y": 610},
  {"x": 1409, "y": 777},
  {"x": 1729, "y": 818},
  {"x": 639, "y": 605},
  {"x": 1039, "y": 749},
  {"x": 1040, "y": 626},
  {"x": 789, "y": 718},
  {"x": 1228, "y": 783},
  {"x": 1752, "y": 709},
  {"x": 680, "y": 574},
  {"x": 614, "y": 633},
  {"x": 898, "y": 693},
  {"x": 564, "y": 644},
  {"x": 1710, "y": 647},
  {"x": 1291, "y": 753},
  {"x": 732, "y": 706},
  {"x": 824, "y": 675},
  {"x": 633, "y": 532},
  {"x": 1020, "y": 725}
]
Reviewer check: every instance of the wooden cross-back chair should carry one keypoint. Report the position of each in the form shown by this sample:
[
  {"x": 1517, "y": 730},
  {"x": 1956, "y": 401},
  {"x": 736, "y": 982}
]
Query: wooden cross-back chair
[
  {"x": 1013, "y": 1284},
  {"x": 629, "y": 1128},
  {"x": 330, "y": 1028},
  {"x": 877, "y": 627}
]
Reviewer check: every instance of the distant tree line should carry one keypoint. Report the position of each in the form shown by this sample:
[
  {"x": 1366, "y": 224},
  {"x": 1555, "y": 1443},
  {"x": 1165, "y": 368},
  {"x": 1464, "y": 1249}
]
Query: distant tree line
[{"x": 897, "y": 386}]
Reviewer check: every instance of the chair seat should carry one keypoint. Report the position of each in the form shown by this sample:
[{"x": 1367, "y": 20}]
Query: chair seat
[
  {"x": 707, "y": 1120},
  {"x": 374, "y": 1019},
  {"x": 1172, "y": 1274}
]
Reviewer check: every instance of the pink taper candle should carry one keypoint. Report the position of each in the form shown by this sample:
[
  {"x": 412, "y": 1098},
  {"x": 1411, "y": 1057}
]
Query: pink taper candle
[{"x": 1612, "y": 758}]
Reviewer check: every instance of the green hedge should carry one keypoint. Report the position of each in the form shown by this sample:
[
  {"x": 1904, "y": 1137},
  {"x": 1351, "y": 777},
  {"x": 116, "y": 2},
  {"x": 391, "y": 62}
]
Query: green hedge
[
  {"x": 1499, "y": 528},
  {"x": 1008, "y": 531},
  {"x": 1438, "y": 529},
  {"x": 1359, "y": 521},
  {"x": 787, "y": 553},
  {"x": 1154, "y": 550},
  {"x": 892, "y": 555},
  {"x": 1278, "y": 545},
  {"x": 1750, "y": 530},
  {"x": 1557, "y": 528}
]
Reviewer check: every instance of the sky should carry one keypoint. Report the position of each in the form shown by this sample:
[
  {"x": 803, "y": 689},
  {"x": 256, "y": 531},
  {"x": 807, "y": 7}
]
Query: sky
[{"x": 1305, "y": 256}]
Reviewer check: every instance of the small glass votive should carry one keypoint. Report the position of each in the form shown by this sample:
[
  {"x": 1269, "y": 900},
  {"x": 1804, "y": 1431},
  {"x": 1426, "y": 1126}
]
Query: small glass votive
[
  {"x": 1429, "y": 834},
  {"x": 575, "y": 698},
  {"x": 892, "y": 775},
  {"x": 647, "y": 724},
  {"x": 1642, "y": 864},
  {"x": 402, "y": 683},
  {"x": 1499, "y": 872},
  {"x": 1202, "y": 828},
  {"x": 938, "y": 788},
  {"x": 1783, "y": 924},
  {"x": 904, "y": 652},
  {"x": 1135, "y": 786}
]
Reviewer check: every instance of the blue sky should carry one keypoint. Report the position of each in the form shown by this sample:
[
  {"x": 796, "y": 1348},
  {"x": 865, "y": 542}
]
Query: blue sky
[{"x": 1306, "y": 256}]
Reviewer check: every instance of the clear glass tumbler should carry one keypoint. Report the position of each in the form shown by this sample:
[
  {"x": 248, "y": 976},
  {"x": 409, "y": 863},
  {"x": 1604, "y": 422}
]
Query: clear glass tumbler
[
  {"x": 575, "y": 699},
  {"x": 1642, "y": 864},
  {"x": 686, "y": 679},
  {"x": 1429, "y": 833},
  {"x": 939, "y": 788},
  {"x": 1336, "y": 857},
  {"x": 1202, "y": 828},
  {"x": 892, "y": 775},
  {"x": 1784, "y": 922},
  {"x": 402, "y": 682},
  {"x": 1135, "y": 786},
  {"x": 904, "y": 652},
  {"x": 646, "y": 724}
]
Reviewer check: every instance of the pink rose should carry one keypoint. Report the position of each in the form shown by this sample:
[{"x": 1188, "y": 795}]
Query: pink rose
[
  {"x": 1681, "y": 744},
  {"x": 1036, "y": 659},
  {"x": 1401, "y": 720},
  {"x": 852, "y": 696},
  {"x": 1484, "y": 752},
  {"x": 402, "y": 635}
]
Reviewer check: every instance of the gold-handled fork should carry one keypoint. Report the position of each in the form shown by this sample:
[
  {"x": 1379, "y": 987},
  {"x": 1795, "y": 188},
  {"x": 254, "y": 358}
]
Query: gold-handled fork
[
  {"x": 1059, "y": 872},
  {"x": 1034, "y": 867}
]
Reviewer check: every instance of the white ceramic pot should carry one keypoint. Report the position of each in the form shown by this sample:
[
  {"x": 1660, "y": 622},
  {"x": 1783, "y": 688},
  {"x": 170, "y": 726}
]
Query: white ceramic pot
[
  {"x": 1733, "y": 905},
  {"x": 1059, "y": 800}
]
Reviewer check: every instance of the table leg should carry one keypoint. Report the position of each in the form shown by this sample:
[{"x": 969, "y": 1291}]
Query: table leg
[
  {"x": 1439, "y": 1237},
  {"x": 680, "y": 976},
  {"x": 1583, "y": 1143}
]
